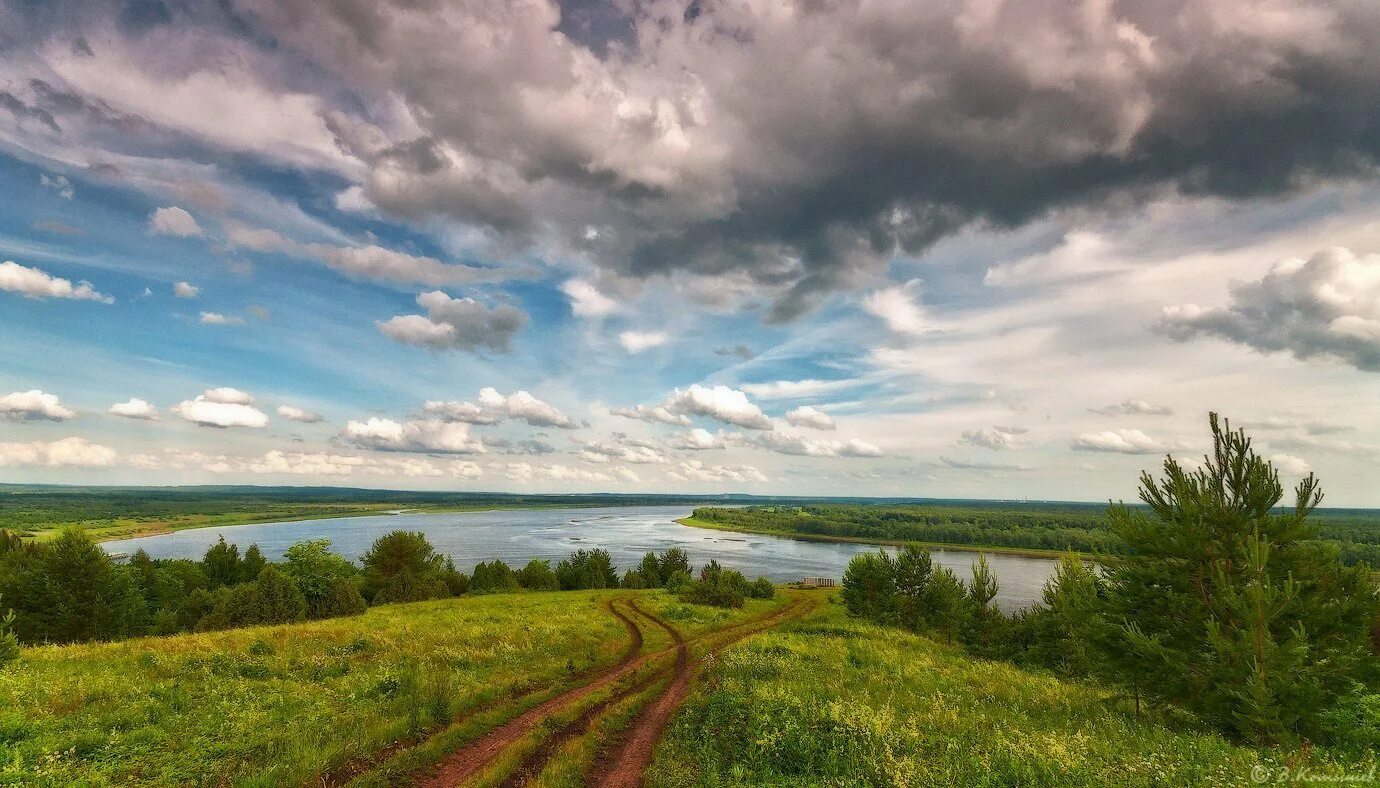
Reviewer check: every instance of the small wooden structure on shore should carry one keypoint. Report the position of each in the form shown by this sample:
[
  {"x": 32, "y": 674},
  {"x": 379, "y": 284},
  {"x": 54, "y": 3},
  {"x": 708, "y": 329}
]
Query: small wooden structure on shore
[{"x": 817, "y": 582}]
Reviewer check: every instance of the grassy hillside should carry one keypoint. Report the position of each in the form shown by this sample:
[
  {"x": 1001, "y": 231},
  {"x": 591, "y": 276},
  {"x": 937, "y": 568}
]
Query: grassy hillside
[
  {"x": 283, "y": 705},
  {"x": 830, "y": 701}
]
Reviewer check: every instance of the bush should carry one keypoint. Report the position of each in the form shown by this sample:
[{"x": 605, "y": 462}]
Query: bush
[
  {"x": 679, "y": 582},
  {"x": 718, "y": 587},
  {"x": 493, "y": 577},
  {"x": 321, "y": 576},
  {"x": 406, "y": 555},
  {"x": 633, "y": 579},
  {"x": 537, "y": 576},
  {"x": 763, "y": 589},
  {"x": 271, "y": 599},
  {"x": 408, "y": 587},
  {"x": 587, "y": 569},
  {"x": 342, "y": 599}
]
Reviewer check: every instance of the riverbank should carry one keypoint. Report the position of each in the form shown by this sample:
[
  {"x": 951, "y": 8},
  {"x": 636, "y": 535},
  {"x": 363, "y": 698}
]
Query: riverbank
[
  {"x": 130, "y": 529},
  {"x": 1026, "y": 552}
]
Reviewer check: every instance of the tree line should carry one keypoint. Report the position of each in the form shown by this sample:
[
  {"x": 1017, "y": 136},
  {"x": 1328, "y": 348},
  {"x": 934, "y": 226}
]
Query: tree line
[
  {"x": 1076, "y": 528},
  {"x": 1222, "y": 605},
  {"x": 69, "y": 590}
]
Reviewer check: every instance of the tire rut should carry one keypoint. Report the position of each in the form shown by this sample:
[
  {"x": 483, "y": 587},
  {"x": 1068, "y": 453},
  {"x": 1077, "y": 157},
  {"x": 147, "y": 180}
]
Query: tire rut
[
  {"x": 348, "y": 771},
  {"x": 622, "y": 763},
  {"x": 533, "y": 764}
]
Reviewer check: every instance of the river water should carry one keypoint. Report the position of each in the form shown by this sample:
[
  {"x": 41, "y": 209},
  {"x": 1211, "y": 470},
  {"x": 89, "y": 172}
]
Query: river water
[{"x": 626, "y": 532}]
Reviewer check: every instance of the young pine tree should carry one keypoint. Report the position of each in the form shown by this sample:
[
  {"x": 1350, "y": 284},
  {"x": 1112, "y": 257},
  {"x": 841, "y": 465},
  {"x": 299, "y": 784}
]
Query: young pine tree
[
  {"x": 9, "y": 642},
  {"x": 869, "y": 586},
  {"x": 946, "y": 604},
  {"x": 913, "y": 569},
  {"x": 1233, "y": 609}
]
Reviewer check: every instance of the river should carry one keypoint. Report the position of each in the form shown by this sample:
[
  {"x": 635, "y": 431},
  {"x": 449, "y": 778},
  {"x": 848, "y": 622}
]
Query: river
[{"x": 517, "y": 535}]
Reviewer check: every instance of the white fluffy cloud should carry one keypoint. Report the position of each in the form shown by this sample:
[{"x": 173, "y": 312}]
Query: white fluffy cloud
[
  {"x": 68, "y": 452},
  {"x": 175, "y": 222},
  {"x": 700, "y": 439},
  {"x": 293, "y": 413},
  {"x": 639, "y": 341},
  {"x": 134, "y": 409},
  {"x": 720, "y": 403},
  {"x": 1119, "y": 441},
  {"x": 1289, "y": 465},
  {"x": 35, "y": 283},
  {"x": 456, "y": 323},
  {"x": 218, "y": 319},
  {"x": 802, "y": 446},
  {"x": 222, "y": 407},
  {"x": 186, "y": 290},
  {"x": 996, "y": 438},
  {"x": 637, "y": 454},
  {"x": 654, "y": 414},
  {"x": 1325, "y": 307},
  {"x": 898, "y": 307},
  {"x": 494, "y": 407},
  {"x": 424, "y": 436},
  {"x": 33, "y": 405},
  {"x": 586, "y": 300},
  {"x": 695, "y": 470},
  {"x": 808, "y": 416}
]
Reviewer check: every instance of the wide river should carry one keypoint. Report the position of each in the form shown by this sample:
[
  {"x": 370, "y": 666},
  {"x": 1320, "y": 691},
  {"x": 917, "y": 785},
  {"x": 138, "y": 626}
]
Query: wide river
[{"x": 518, "y": 535}]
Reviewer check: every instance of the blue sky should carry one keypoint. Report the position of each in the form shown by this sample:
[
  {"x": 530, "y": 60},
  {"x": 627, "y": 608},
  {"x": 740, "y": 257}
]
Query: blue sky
[{"x": 635, "y": 252}]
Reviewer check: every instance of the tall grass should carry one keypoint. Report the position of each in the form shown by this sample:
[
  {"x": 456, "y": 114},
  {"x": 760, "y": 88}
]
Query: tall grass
[
  {"x": 280, "y": 705},
  {"x": 831, "y": 701}
]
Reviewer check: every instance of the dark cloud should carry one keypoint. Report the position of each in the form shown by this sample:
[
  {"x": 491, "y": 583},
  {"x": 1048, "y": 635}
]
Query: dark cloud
[
  {"x": 456, "y": 323},
  {"x": 803, "y": 148},
  {"x": 1325, "y": 307}
]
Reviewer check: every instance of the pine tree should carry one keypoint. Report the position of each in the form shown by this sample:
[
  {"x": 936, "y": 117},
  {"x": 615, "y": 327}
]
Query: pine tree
[
  {"x": 1229, "y": 608},
  {"x": 913, "y": 568},
  {"x": 9, "y": 642},
  {"x": 869, "y": 586},
  {"x": 946, "y": 604},
  {"x": 252, "y": 563}
]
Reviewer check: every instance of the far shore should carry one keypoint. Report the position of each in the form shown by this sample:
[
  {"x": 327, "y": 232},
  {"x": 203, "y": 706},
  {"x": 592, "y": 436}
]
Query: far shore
[{"x": 1027, "y": 552}]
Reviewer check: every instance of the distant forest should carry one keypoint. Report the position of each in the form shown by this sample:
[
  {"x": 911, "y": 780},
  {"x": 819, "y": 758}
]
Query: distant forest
[{"x": 1078, "y": 527}]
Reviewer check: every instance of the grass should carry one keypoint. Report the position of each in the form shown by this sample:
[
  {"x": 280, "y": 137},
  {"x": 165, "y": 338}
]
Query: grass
[
  {"x": 281, "y": 705},
  {"x": 831, "y": 701},
  {"x": 1029, "y": 552}
]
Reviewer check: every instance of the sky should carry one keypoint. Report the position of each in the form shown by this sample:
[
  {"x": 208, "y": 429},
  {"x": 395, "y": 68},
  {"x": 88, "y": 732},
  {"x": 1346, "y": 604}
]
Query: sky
[{"x": 959, "y": 249}]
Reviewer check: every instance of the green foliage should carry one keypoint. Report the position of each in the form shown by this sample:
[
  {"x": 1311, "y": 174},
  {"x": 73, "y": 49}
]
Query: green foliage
[
  {"x": 679, "y": 582},
  {"x": 321, "y": 576},
  {"x": 494, "y": 576},
  {"x": 763, "y": 589},
  {"x": 587, "y": 569},
  {"x": 670, "y": 562},
  {"x": 252, "y": 563},
  {"x": 947, "y": 605},
  {"x": 9, "y": 642},
  {"x": 632, "y": 579},
  {"x": 222, "y": 563},
  {"x": 1230, "y": 609},
  {"x": 402, "y": 566},
  {"x": 537, "y": 576},
  {"x": 869, "y": 586},
  {"x": 1066, "y": 631},
  {"x": 68, "y": 590},
  {"x": 273, "y": 598},
  {"x": 719, "y": 587}
]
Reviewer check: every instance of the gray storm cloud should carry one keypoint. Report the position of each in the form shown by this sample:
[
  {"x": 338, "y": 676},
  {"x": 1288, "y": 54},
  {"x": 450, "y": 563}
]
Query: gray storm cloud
[{"x": 800, "y": 144}]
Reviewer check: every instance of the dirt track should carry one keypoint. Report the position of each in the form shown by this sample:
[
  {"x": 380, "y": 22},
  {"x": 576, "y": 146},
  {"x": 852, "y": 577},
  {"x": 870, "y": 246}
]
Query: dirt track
[
  {"x": 621, "y": 761},
  {"x": 468, "y": 760},
  {"x": 624, "y": 763}
]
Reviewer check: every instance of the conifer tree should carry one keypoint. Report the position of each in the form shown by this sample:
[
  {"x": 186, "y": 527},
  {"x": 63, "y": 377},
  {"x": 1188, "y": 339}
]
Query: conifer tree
[
  {"x": 222, "y": 563},
  {"x": 946, "y": 604},
  {"x": 869, "y": 586},
  {"x": 913, "y": 568},
  {"x": 1233, "y": 609},
  {"x": 9, "y": 642}
]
